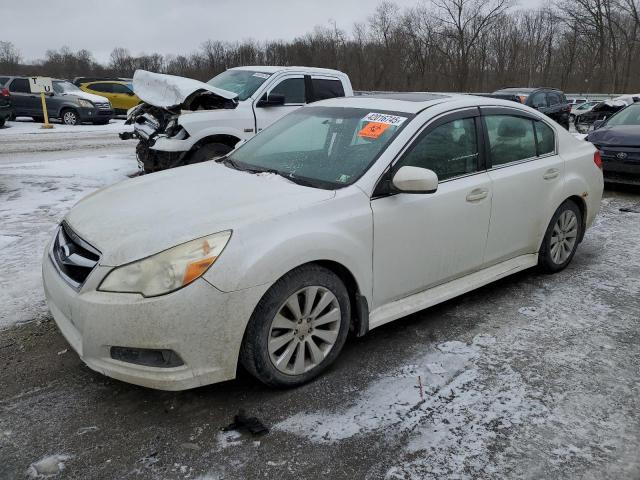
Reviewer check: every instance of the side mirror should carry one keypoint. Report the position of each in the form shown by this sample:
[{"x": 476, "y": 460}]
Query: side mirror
[
  {"x": 415, "y": 180},
  {"x": 130, "y": 93},
  {"x": 50, "y": 94},
  {"x": 272, "y": 100}
]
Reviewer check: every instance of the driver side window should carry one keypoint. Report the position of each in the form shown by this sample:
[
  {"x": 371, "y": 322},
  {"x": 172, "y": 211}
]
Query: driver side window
[
  {"x": 450, "y": 150},
  {"x": 292, "y": 89}
]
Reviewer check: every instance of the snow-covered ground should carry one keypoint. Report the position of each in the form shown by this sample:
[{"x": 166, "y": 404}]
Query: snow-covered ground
[
  {"x": 43, "y": 173},
  {"x": 24, "y": 126}
]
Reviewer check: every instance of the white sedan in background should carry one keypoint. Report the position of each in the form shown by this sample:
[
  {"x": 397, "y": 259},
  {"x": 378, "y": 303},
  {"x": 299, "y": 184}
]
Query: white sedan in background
[{"x": 343, "y": 216}]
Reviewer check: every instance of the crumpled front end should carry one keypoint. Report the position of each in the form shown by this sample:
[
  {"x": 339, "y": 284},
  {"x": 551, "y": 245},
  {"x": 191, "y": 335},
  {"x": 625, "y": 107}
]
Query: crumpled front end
[{"x": 165, "y": 99}]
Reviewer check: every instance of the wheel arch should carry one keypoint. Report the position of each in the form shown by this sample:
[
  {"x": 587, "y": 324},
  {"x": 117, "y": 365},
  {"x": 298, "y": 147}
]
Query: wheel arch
[
  {"x": 226, "y": 139},
  {"x": 582, "y": 205}
]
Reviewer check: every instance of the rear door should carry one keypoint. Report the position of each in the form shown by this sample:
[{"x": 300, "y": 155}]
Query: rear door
[
  {"x": 556, "y": 107},
  {"x": 527, "y": 178},
  {"x": 292, "y": 87},
  {"x": 324, "y": 87},
  {"x": 24, "y": 102}
]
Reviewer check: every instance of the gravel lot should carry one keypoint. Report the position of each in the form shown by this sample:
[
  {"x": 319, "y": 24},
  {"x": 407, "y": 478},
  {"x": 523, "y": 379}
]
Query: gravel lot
[{"x": 534, "y": 376}]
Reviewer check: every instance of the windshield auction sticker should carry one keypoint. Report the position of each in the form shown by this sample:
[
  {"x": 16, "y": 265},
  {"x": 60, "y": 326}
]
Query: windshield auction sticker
[
  {"x": 373, "y": 129},
  {"x": 384, "y": 118},
  {"x": 261, "y": 75}
]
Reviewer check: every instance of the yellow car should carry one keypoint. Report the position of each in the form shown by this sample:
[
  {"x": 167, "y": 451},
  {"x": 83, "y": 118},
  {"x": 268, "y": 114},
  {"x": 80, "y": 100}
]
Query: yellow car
[{"x": 119, "y": 93}]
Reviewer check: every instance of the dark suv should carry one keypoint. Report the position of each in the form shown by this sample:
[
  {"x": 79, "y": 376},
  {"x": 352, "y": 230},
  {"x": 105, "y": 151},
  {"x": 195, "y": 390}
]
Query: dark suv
[
  {"x": 6, "y": 112},
  {"x": 67, "y": 102},
  {"x": 549, "y": 101}
]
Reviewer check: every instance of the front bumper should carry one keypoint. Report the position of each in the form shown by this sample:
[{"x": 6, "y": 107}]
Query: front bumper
[
  {"x": 621, "y": 164},
  {"x": 95, "y": 114},
  {"x": 203, "y": 325}
]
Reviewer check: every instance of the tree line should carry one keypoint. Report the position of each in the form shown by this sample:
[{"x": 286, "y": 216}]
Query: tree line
[{"x": 440, "y": 45}]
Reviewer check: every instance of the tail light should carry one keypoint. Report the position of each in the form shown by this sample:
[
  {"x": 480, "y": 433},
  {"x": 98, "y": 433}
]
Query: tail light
[
  {"x": 4, "y": 92},
  {"x": 597, "y": 159}
]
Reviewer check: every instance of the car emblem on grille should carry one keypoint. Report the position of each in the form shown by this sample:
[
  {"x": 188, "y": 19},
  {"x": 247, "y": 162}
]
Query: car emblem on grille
[{"x": 621, "y": 155}]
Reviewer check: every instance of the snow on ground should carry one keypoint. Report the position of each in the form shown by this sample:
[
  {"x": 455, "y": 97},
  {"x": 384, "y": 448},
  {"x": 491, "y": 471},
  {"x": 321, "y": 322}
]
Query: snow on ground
[
  {"x": 34, "y": 196},
  {"x": 24, "y": 125},
  {"x": 492, "y": 401}
]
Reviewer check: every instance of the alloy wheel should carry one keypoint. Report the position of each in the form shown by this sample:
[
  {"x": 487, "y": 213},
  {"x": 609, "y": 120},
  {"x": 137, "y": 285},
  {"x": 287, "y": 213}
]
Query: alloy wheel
[
  {"x": 70, "y": 118},
  {"x": 564, "y": 237},
  {"x": 304, "y": 330}
]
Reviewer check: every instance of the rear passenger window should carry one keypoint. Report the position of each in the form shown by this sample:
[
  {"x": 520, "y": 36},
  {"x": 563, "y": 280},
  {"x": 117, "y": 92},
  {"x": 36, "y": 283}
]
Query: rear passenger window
[
  {"x": 450, "y": 150},
  {"x": 554, "y": 99},
  {"x": 20, "y": 85},
  {"x": 546, "y": 138},
  {"x": 510, "y": 138},
  {"x": 292, "y": 89},
  {"x": 323, "y": 89},
  {"x": 101, "y": 87},
  {"x": 118, "y": 88}
]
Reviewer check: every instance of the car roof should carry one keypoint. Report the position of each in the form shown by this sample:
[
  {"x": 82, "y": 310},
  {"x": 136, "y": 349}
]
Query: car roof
[
  {"x": 415, "y": 102},
  {"x": 527, "y": 89},
  {"x": 125, "y": 82},
  {"x": 275, "y": 69}
]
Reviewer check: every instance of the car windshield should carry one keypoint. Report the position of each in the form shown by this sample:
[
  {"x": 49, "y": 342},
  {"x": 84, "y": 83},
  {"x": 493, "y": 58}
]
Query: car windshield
[
  {"x": 628, "y": 116},
  {"x": 323, "y": 147},
  {"x": 64, "y": 87},
  {"x": 242, "y": 82}
]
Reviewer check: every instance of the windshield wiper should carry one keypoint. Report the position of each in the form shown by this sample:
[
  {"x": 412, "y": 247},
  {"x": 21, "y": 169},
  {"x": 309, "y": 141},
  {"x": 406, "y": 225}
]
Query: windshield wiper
[{"x": 288, "y": 176}]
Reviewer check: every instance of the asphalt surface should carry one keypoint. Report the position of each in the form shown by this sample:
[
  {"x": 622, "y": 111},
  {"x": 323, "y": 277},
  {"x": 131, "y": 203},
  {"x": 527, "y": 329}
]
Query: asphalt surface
[{"x": 548, "y": 387}]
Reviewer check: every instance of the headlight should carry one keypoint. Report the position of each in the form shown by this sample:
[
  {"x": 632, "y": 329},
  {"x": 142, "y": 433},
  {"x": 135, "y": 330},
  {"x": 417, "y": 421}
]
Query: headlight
[
  {"x": 169, "y": 270},
  {"x": 85, "y": 103}
]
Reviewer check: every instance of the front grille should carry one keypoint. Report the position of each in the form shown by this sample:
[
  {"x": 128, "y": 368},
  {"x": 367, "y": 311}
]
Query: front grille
[
  {"x": 103, "y": 106},
  {"x": 74, "y": 258}
]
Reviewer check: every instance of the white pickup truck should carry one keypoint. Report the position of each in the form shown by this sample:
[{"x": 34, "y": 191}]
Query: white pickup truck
[{"x": 183, "y": 121}]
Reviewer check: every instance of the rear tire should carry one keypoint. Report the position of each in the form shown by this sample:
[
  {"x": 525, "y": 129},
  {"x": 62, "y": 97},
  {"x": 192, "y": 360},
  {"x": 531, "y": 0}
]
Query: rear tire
[
  {"x": 561, "y": 238},
  {"x": 207, "y": 152},
  {"x": 298, "y": 328},
  {"x": 2, "y": 122}
]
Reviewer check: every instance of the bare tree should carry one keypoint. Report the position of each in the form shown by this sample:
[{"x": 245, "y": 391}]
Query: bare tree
[{"x": 464, "y": 21}]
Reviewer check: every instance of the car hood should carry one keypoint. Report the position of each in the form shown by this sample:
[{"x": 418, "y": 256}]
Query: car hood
[
  {"x": 146, "y": 215},
  {"x": 621, "y": 135},
  {"x": 88, "y": 96},
  {"x": 168, "y": 91}
]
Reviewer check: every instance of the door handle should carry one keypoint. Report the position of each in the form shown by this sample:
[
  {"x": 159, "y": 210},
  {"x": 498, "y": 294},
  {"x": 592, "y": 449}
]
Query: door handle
[
  {"x": 551, "y": 174},
  {"x": 477, "y": 194}
]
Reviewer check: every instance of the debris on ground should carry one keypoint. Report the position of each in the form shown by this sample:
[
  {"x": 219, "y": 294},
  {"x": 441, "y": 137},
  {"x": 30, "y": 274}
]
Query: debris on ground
[{"x": 251, "y": 424}]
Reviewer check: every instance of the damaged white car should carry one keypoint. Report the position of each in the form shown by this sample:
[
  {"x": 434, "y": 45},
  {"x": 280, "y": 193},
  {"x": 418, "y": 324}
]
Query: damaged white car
[
  {"x": 341, "y": 217},
  {"x": 184, "y": 121}
]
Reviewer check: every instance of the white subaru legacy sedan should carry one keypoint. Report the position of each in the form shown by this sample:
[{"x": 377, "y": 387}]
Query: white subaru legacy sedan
[{"x": 343, "y": 216}]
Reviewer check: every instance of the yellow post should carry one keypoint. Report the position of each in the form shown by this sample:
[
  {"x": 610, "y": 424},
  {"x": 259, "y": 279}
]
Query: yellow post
[{"x": 44, "y": 111}]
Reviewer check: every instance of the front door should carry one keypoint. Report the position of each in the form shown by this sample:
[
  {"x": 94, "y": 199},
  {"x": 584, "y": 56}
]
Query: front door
[{"x": 422, "y": 240}]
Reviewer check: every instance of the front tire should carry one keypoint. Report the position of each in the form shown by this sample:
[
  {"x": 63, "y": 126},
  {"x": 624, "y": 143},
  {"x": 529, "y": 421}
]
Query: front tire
[
  {"x": 298, "y": 328},
  {"x": 70, "y": 117},
  {"x": 561, "y": 238}
]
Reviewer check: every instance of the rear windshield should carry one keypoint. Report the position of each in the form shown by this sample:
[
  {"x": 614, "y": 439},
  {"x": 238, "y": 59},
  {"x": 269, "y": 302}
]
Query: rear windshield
[{"x": 244, "y": 83}]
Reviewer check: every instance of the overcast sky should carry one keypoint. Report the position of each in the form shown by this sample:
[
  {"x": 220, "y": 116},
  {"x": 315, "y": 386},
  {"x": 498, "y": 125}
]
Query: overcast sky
[{"x": 167, "y": 26}]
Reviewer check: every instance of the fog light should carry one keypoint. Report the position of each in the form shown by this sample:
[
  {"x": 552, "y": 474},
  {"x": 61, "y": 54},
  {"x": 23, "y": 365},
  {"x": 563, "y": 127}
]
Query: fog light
[{"x": 147, "y": 357}]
